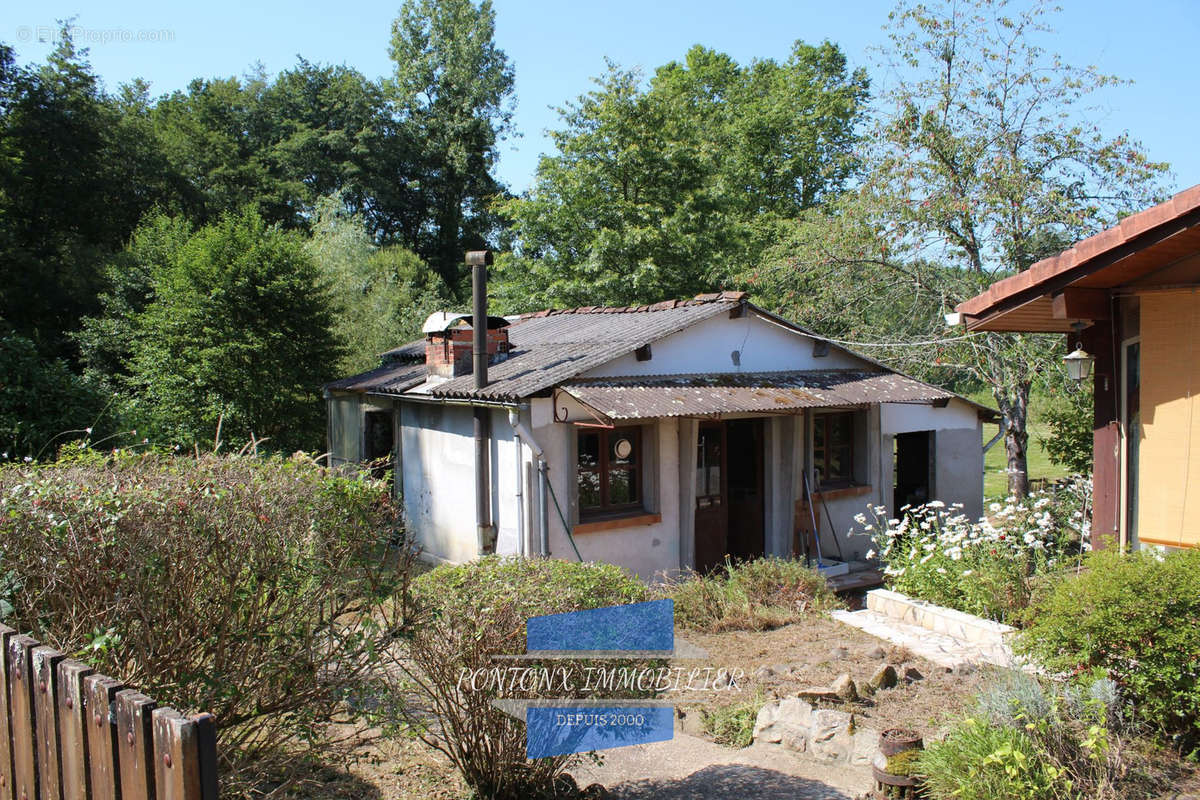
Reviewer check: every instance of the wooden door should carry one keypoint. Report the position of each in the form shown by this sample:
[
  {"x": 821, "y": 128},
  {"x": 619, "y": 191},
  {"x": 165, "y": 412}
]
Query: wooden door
[
  {"x": 712, "y": 508},
  {"x": 744, "y": 443}
]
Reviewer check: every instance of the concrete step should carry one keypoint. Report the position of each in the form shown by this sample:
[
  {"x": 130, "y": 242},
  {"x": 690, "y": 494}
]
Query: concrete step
[{"x": 939, "y": 648}]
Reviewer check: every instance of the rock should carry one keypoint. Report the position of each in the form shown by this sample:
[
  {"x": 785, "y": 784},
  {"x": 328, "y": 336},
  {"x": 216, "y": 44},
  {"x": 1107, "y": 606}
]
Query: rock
[
  {"x": 691, "y": 722},
  {"x": 966, "y": 668},
  {"x": 782, "y": 670},
  {"x": 838, "y": 653},
  {"x": 912, "y": 675},
  {"x": 817, "y": 693},
  {"x": 845, "y": 688},
  {"x": 884, "y": 678},
  {"x": 763, "y": 674},
  {"x": 785, "y": 723},
  {"x": 595, "y": 792},
  {"x": 864, "y": 747},
  {"x": 877, "y": 653},
  {"x": 830, "y": 738}
]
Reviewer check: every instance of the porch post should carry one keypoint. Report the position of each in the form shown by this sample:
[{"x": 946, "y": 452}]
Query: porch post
[{"x": 688, "y": 433}]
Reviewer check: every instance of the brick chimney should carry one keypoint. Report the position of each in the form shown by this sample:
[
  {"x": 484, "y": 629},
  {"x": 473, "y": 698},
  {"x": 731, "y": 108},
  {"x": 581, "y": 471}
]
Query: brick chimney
[{"x": 448, "y": 351}]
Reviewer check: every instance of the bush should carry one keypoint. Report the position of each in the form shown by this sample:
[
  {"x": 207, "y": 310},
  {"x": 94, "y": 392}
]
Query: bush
[
  {"x": 231, "y": 585},
  {"x": 1069, "y": 443},
  {"x": 748, "y": 595},
  {"x": 1030, "y": 739},
  {"x": 733, "y": 725},
  {"x": 988, "y": 567},
  {"x": 1137, "y": 618},
  {"x": 467, "y": 615},
  {"x": 978, "y": 761}
]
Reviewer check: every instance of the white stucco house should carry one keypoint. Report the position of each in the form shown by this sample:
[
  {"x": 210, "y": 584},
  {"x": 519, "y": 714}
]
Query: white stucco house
[{"x": 659, "y": 438}]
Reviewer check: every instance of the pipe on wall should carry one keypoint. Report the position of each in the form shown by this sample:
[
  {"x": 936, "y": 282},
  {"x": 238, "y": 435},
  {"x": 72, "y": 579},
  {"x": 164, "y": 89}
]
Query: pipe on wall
[
  {"x": 514, "y": 419},
  {"x": 478, "y": 260},
  {"x": 522, "y": 434}
]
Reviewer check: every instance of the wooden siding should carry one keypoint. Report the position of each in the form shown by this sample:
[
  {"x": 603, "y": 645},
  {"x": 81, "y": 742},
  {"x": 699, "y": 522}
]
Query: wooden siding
[{"x": 1169, "y": 480}]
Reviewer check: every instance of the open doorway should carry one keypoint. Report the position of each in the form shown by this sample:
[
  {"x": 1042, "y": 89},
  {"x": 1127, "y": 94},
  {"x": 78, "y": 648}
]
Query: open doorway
[
  {"x": 745, "y": 445},
  {"x": 912, "y": 469},
  {"x": 379, "y": 442},
  {"x": 729, "y": 492}
]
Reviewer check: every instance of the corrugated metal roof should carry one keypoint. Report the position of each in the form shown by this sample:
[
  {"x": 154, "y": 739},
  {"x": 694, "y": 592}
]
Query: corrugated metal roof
[
  {"x": 392, "y": 378},
  {"x": 547, "y": 350},
  {"x": 730, "y": 393}
]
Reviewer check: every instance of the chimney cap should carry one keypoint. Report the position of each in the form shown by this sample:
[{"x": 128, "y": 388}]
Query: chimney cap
[
  {"x": 479, "y": 258},
  {"x": 440, "y": 321}
]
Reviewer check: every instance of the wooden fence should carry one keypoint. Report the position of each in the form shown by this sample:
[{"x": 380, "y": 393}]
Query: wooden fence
[{"x": 67, "y": 733}]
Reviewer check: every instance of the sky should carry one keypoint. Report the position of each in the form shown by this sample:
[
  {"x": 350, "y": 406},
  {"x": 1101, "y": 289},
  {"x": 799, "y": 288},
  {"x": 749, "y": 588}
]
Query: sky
[{"x": 557, "y": 47}]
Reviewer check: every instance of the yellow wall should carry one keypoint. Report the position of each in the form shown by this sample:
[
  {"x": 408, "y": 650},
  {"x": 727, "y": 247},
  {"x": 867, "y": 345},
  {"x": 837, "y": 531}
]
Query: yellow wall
[{"x": 1169, "y": 497}]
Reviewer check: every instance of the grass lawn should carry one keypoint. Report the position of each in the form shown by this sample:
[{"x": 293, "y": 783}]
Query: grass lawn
[{"x": 995, "y": 481}]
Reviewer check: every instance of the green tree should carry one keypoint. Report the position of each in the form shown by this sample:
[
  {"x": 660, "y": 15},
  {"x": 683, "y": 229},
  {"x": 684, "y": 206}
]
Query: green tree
[
  {"x": 983, "y": 159},
  {"x": 668, "y": 189},
  {"x": 451, "y": 93},
  {"x": 380, "y": 295},
  {"x": 1070, "y": 418},
  {"x": 75, "y": 177},
  {"x": 236, "y": 332}
]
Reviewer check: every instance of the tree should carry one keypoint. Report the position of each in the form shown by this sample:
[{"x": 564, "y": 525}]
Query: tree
[
  {"x": 982, "y": 159},
  {"x": 667, "y": 190},
  {"x": 236, "y": 331},
  {"x": 75, "y": 177},
  {"x": 451, "y": 93},
  {"x": 380, "y": 295},
  {"x": 1070, "y": 419}
]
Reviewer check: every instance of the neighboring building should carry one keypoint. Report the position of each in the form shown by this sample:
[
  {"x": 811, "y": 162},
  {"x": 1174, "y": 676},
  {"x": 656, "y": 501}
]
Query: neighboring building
[
  {"x": 1133, "y": 294},
  {"x": 672, "y": 435}
]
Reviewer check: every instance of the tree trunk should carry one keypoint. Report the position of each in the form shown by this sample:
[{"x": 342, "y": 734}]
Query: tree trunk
[{"x": 1013, "y": 402}]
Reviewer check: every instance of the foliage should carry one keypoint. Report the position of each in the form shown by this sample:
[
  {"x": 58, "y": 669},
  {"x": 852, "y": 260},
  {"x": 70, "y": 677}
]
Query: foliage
[
  {"x": 41, "y": 401},
  {"x": 467, "y": 615},
  {"x": 1137, "y": 618},
  {"x": 983, "y": 158},
  {"x": 223, "y": 584},
  {"x": 988, "y": 567},
  {"x": 733, "y": 725},
  {"x": 668, "y": 189},
  {"x": 233, "y": 330},
  {"x": 978, "y": 761},
  {"x": 1078, "y": 734},
  {"x": 452, "y": 90},
  {"x": 748, "y": 595},
  {"x": 381, "y": 295},
  {"x": 1070, "y": 419},
  {"x": 904, "y": 763}
]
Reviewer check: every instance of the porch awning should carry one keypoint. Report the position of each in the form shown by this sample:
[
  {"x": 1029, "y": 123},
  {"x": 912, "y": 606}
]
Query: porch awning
[{"x": 731, "y": 393}]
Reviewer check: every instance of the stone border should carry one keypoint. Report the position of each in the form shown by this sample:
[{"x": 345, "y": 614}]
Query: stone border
[
  {"x": 821, "y": 734},
  {"x": 947, "y": 621}
]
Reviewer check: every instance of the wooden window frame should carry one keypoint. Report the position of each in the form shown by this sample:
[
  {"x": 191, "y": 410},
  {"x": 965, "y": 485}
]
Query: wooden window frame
[
  {"x": 606, "y": 436},
  {"x": 822, "y": 461}
]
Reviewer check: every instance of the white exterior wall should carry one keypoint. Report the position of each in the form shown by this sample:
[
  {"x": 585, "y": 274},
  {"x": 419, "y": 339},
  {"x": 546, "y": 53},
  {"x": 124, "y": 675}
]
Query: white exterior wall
[{"x": 763, "y": 346}]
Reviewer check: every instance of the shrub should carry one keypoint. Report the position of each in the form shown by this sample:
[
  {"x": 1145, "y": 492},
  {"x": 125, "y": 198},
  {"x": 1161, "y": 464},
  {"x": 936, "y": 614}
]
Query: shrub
[
  {"x": 978, "y": 761},
  {"x": 748, "y": 595},
  {"x": 987, "y": 567},
  {"x": 230, "y": 585},
  {"x": 1137, "y": 618},
  {"x": 467, "y": 615},
  {"x": 733, "y": 725}
]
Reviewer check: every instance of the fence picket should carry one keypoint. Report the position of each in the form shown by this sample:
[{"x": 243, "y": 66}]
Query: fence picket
[
  {"x": 45, "y": 719},
  {"x": 20, "y": 700},
  {"x": 6, "y": 763},
  {"x": 136, "y": 740},
  {"x": 73, "y": 730},
  {"x": 100, "y": 694}
]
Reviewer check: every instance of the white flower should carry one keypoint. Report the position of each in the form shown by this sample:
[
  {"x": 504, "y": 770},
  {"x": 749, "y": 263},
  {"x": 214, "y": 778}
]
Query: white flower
[
  {"x": 870, "y": 554},
  {"x": 936, "y": 504},
  {"x": 968, "y": 572},
  {"x": 994, "y": 507},
  {"x": 941, "y": 570}
]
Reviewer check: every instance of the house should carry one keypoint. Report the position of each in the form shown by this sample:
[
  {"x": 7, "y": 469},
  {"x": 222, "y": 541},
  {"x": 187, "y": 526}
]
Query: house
[
  {"x": 1130, "y": 297},
  {"x": 659, "y": 437}
]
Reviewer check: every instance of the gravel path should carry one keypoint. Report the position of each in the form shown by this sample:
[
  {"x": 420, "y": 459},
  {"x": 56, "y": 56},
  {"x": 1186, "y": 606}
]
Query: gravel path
[{"x": 690, "y": 768}]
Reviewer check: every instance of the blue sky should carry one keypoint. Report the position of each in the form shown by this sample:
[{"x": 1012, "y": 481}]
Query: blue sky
[{"x": 556, "y": 47}]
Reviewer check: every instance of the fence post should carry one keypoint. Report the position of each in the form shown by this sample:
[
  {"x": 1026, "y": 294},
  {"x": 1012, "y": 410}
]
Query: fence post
[
  {"x": 73, "y": 730},
  {"x": 136, "y": 742},
  {"x": 6, "y": 760},
  {"x": 20, "y": 701},
  {"x": 100, "y": 694},
  {"x": 45, "y": 720}
]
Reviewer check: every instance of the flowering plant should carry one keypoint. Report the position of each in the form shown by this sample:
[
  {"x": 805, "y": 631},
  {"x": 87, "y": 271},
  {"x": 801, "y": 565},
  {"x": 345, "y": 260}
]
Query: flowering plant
[{"x": 937, "y": 553}]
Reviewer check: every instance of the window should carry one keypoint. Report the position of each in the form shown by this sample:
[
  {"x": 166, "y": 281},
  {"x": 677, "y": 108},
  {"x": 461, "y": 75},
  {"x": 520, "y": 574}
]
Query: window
[
  {"x": 833, "y": 449},
  {"x": 610, "y": 471}
]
